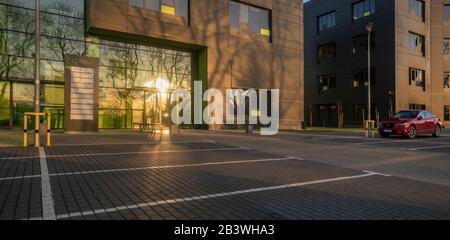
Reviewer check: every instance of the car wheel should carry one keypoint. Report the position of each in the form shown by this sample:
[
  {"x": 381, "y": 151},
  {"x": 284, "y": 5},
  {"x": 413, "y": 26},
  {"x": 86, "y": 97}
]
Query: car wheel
[
  {"x": 437, "y": 131},
  {"x": 412, "y": 132}
]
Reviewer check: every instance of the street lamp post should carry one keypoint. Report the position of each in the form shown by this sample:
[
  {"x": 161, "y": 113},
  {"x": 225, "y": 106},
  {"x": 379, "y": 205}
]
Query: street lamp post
[
  {"x": 369, "y": 27},
  {"x": 37, "y": 57}
]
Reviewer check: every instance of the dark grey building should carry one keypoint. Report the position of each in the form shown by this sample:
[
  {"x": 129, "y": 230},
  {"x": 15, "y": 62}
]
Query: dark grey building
[{"x": 409, "y": 65}]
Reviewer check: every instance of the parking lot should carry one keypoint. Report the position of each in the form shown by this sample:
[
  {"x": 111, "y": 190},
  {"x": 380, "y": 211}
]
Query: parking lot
[{"x": 227, "y": 175}]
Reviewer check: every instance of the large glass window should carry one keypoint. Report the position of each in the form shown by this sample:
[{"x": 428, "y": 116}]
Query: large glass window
[
  {"x": 416, "y": 106},
  {"x": 417, "y": 43},
  {"x": 361, "y": 78},
  {"x": 138, "y": 3},
  {"x": 23, "y": 101},
  {"x": 363, "y": 9},
  {"x": 417, "y": 78},
  {"x": 128, "y": 70},
  {"x": 326, "y": 51},
  {"x": 360, "y": 43},
  {"x": 446, "y": 14},
  {"x": 326, "y": 83},
  {"x": 250, "y": 18},
  {"x": 418, "y": 8},
  {"x": 447, "y": 113},
  {"x": 446, "y": 80},
  {"x": 326, "y": 21},
  {"x": 72, "y": 8},
  {"x": 170, "y": 7},
  {"x": 4, "y": 104},
  {"x": 446, "y": 46}
]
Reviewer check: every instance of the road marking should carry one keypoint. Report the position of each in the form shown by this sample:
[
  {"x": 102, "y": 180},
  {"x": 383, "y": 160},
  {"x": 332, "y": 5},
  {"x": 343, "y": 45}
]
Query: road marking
[
  {"x": 426, "y": 148},
  {"x": 133, "y": 153},
  {"x": 380, "y": 174},
  {"x": 210, "y": 196},
  {"x": 134, "y": 143},
  {"x": 48, "y": 206},
  {"x": 174, "y": 166},
  {"x": 333, "y": 138},
  {"x": 402, "y": 141},
  {"x": 19, "y": 178}
]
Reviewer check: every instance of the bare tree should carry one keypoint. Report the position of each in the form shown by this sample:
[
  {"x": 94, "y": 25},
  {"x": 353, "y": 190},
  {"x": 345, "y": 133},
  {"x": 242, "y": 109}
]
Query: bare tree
[
  {"x": 57, "y": 31},
  {"x": 123, "y": 63},
  {"x": 13, "y": 45}
]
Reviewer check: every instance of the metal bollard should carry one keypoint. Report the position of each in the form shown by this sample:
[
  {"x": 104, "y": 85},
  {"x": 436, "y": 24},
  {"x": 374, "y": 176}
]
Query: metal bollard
[
  {"x": 25, "y": 131},
  {"x": 36, "y": 132},
  {"x": 49, "y": 144}
]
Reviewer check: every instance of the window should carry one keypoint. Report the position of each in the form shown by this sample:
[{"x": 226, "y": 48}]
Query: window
[
  {"x": 326, "y": 21},
  {"x": 359, "y": 43},
  {"x": 255, "y": 20},
  {"x": 415, "y": 106},
  {"x": 361, "y": 78},
  {"x": 446, "y": 46},
  {"x": 326, "y": 51},
  {"x": 363, "y": 9},
  {"x": 446, "y": 13},
  {"x": 153, "y": 5},
  {"x": 446, "y": 80},
  {"x": 447, "y": 113},
  {"x": 234, "y": 14},
  {"x": 428, "y": 115},
  {"x": 137, "y": 3},
  {"x": 326, "y": 83},
  {"x": 417, "y": 43},
  {"x": 417, "y": 76},
  {"x": 250, "y": 18},
  {"x": 171, "y": 7},
  {"x": 417, "y": 7}
]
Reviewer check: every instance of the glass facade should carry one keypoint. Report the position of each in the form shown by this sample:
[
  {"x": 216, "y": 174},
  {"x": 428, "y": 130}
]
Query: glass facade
[{"x": 128, "y": 73}]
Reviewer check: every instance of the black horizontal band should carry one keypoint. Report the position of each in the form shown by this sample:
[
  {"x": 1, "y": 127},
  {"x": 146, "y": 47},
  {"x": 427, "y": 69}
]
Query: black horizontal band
[
  {"x": 36, "y": 131},
  {"x": 25, "y": 130}
]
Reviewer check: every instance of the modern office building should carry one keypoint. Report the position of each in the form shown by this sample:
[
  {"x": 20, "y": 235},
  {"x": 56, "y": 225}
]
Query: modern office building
[
  {"x": 410, "y": 59},
  {"x": 104, "y": 62}
]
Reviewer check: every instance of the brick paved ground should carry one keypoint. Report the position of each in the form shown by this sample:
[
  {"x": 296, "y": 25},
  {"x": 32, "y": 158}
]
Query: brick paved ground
[{"x": 221, "y": 175}]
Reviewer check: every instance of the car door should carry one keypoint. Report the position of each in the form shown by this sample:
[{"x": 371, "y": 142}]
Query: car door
[
  {"x": 421, "y": 123},
  {"x": 430, "y": 122}
]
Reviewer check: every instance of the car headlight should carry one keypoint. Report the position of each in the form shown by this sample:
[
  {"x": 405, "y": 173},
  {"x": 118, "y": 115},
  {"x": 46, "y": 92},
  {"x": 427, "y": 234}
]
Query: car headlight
[{"x": 403, "y": 124}]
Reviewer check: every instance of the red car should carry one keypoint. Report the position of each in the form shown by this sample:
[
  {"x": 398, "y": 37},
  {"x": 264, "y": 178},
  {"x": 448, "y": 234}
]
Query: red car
[{"x": 410, "y": 124}]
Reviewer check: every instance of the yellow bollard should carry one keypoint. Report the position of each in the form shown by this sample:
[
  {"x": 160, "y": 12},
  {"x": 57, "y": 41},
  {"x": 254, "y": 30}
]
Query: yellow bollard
[
  {"x": 36, "y": 131},
  {"x": 25, "y": 130},
  {"x": 48, "y": 130}
]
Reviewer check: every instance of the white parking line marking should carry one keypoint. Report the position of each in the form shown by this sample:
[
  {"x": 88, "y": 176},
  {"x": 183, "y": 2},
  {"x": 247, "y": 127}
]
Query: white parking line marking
[
  {"x": 48, "y": 206},
  {"x": 426, "y": 148},
  {"x": 174, "y": 166},
  {"x": 132, "y": 153},
  {"x": 333, "y": 138},
  {"x": 211, "y": 196},
  {"x": 402, "y": 141},
  {"x": 134, "y": 143},
  {"x": 380, "y": 174},
  {"x": 20, "y": 177}
]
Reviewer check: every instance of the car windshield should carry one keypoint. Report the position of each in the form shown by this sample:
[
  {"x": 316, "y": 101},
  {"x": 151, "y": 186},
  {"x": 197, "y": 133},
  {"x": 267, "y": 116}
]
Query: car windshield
[{"x": 406, "y": 115}]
